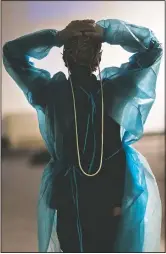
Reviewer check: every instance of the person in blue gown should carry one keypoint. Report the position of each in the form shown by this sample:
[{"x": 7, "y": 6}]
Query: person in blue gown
[{"x": 98, "y": 194}]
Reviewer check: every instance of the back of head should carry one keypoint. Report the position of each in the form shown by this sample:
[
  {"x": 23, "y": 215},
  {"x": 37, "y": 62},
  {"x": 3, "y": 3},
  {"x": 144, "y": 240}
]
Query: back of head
[{"x": 82, "y": 51}]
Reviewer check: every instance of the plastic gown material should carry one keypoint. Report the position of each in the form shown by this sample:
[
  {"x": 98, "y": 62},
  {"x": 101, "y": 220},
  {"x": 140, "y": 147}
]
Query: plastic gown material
[{"x": 132, "y": 91}]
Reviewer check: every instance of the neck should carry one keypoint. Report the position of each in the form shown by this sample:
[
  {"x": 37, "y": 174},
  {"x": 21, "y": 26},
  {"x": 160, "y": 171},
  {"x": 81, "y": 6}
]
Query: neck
[
  {"x": 82, "y": 76},
  {"x": 79, "y": 71}
]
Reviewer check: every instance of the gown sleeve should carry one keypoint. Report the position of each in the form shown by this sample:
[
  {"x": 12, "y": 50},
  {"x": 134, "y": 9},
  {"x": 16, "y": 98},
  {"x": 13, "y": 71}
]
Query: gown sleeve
[
  {"x": 16, "y": 58},
  {"x": 132, "y": 86}
]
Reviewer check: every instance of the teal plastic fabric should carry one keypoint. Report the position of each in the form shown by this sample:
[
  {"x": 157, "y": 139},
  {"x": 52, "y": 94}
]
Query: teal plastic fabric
[{"x": 131, "y": 92}]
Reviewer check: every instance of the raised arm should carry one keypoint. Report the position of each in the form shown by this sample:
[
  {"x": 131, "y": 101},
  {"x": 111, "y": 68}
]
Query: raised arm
[
  {"x": 16, "y": 58},
  {"x": 132, "y": 86},
  {"x": 17, "y": 53},
  {"x": 135, "y": 39}
]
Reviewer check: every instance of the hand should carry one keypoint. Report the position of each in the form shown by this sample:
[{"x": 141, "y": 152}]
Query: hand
[
  {"x": 81, "y": 25},
  {"x": 78, "y": 28},
  {"x": 97, "y": 33}
]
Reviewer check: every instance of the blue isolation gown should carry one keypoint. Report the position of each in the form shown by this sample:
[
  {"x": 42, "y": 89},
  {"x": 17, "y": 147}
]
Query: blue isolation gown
[{"x": 132, "y": 89}]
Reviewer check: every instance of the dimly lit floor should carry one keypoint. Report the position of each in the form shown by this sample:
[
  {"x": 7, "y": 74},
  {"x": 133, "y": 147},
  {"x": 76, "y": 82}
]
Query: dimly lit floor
[{"x": 20, "y": 185}]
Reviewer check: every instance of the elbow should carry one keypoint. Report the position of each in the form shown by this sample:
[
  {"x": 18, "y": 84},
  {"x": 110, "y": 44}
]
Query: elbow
[
  {"x": 154, "y": 42},
  {"x": 5, "y": 49},
  {"x": 156, "y": 49},
  {"x": 10, "y": 55},
  {"x": 7, "y": 52}
]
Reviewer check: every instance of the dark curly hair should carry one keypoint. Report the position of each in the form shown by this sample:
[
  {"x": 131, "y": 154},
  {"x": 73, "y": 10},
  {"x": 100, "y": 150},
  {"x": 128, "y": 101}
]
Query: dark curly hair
[{"x": 82, "y": 51}]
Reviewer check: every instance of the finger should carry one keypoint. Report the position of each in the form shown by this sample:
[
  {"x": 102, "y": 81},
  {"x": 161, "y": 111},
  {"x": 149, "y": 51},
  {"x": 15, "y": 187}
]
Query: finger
[
  {"x": 86, "y": 29},
  {"x": 84, "y": 24},
  {"x": 93, "y": 34},
  {"x": 89, "y": 21},
  {"x": 76, "y": 33},
  {"x": 83, "y": 21},
  {"x": 81, "y": 29},
  {"x": 81, "y": 24}
]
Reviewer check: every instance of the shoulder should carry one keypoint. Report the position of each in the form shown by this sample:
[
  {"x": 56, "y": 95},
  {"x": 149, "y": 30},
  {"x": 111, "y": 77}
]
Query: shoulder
[
  {"x": 109, "y": 73},
  {"x": 57, "y": 81},
  {"x": 109, "y": 76},
  {"x": 57, "y": 86},
  {"x": 59, "y": 77}
]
